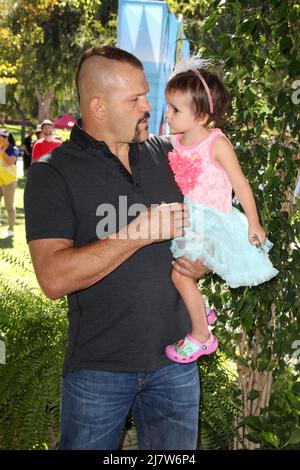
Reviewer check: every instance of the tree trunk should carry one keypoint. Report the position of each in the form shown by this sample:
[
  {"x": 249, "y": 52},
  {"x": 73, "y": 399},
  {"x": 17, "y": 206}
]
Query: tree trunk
[
  {"x": 249, "y": 379},
  {"x": 44, "y": 101},
  {"x": 23, "y": 124}
]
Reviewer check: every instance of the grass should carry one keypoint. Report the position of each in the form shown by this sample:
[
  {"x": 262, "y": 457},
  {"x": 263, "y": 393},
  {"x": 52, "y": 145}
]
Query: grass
[
  {"x": 16, "y": 247},
  {"x": 16, "y": 131}
]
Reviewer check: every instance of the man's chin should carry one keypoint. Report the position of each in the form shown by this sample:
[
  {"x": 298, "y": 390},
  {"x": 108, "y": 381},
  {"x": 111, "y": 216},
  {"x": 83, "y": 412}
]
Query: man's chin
[
  {"x": 141, "y": 136},
  {"x": 144, "y": 135}
]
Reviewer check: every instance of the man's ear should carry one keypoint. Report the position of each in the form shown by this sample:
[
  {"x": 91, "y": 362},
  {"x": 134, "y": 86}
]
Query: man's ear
[{"x": 97, "y": 107}]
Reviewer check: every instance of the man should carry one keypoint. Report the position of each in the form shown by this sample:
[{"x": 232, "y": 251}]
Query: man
[
  {"x": 47, "y": 143},
  {"x": 38, "y": 132},
  {"x": 123, "y": 307}
]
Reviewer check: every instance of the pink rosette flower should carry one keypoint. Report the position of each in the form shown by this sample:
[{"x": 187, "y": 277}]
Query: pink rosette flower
[{"x": 186, "y": 169}]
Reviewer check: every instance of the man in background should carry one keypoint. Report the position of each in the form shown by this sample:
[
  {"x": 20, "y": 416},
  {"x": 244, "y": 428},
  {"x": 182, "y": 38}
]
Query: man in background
[
  {"x": 38, "y": 133},
  {"x": 47, "y": 143}
]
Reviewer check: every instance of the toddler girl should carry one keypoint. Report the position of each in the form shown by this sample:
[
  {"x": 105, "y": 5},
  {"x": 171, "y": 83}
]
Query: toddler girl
[{"x": 206, "y": 169}]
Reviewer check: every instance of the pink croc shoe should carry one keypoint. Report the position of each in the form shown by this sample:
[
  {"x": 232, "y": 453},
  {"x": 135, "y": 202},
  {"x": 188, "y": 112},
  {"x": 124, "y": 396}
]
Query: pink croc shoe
[
  {"x": 189, "y": 349},
  {"x": 211, "y": 315}
]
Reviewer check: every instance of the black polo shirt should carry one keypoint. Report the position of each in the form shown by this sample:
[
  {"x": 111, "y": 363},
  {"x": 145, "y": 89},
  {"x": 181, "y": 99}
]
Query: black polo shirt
[{"x": 123, "y": 322}]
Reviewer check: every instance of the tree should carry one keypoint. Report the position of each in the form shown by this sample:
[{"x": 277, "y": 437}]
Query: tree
[
  {"x": 49, "y": 37},
  {"x": 257, "y": 45}
]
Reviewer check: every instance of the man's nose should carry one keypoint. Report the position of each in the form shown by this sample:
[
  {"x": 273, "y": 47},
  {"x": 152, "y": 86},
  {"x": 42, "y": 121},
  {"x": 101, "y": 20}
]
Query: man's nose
[{"x": 146, "y": 105}]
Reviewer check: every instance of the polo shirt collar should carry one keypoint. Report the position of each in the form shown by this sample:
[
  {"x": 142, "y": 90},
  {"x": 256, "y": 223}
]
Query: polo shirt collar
[{"x": 83, "y": 139}]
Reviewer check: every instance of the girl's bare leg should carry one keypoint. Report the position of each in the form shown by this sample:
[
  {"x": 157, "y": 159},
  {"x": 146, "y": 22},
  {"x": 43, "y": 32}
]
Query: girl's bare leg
[{"x": 194, "y": 303}]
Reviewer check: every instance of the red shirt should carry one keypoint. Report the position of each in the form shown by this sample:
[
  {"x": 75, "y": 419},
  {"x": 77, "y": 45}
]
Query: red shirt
[{"x": 42, "y": 146}]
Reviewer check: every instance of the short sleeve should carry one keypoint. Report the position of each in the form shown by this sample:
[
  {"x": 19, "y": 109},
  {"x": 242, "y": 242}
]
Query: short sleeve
[
  {"x": 49, "y": 211},
  {"x": 12, "y": 151},
  {"x": 36, "y": 151}
]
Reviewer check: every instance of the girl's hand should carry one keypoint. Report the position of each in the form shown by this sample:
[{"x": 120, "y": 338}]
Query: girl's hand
[
  {"x": 256, "y": 234},
  {"x": 189, "y": 268}
]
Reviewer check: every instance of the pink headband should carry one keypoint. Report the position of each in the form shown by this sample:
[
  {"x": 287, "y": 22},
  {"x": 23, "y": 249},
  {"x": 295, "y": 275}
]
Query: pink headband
[{"x": 211, "y": 106}]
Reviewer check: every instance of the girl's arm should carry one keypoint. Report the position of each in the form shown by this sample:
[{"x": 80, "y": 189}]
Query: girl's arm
[
  {"x": 11, "y": 160},
  {"x": 224, "y": 154},
  {"x": 3, "y": 147}
]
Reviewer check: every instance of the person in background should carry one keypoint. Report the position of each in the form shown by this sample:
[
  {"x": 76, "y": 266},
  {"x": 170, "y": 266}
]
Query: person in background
[
  {"x": 27, "y": 148},
  {"x": 47, "y": 143},
  {"x": 9, "y": 153},
  {"x": 38, "y": 133}
]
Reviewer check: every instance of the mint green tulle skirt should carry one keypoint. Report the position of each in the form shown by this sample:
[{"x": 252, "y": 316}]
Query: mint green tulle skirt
[{"x": 220, "y": 240}]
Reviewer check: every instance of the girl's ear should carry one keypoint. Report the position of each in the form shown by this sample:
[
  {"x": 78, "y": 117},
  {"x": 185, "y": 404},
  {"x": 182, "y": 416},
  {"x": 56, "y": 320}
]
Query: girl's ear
[
  {"x": 97, "y": 107},
  {"x": 202, "y": 119}
]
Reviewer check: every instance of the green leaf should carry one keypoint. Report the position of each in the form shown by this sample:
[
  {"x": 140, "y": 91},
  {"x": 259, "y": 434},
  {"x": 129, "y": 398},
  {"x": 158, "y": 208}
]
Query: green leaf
[
  {"x": 270, "y": 438},
  {"x": 296, "y": 389},
  {"x": 294, "y": 68},
  {"x": 282, "y": 9},
  {"x": 293, "y": 400},
  {"x": 286, "y": 44},
  {"x": 282, "y": 30},
  {"x": 294, "y": 437},
  {"x": 253, "y": 422},
  {"x": 248, "y": 26},
  {"x": 254, "y": 437},
  {"x": 247, "y": 317},
  {"x": 274, "y": 150},
  {"x": 253, "y": 394},
  {"x": 263, "y": 364}
]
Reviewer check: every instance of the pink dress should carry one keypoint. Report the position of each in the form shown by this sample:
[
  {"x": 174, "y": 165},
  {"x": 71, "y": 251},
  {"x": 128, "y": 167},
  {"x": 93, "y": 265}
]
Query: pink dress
[{"x": 218, "y": 234}]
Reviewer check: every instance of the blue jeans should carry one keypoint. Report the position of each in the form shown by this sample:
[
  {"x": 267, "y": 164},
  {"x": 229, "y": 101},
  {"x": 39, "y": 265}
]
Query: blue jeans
[{"x": 164, "y": 404}]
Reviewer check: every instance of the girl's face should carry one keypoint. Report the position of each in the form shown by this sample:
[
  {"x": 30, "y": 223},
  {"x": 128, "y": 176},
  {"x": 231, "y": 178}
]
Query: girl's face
[{"x": 180, "y": 115}]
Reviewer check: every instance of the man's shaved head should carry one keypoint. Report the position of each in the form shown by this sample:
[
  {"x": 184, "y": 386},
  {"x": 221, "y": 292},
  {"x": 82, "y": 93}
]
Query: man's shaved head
[
  {"x": 112, "y": 91},
  {"x": 96, "y": 78},
  {"x": 95, "y": 70}
]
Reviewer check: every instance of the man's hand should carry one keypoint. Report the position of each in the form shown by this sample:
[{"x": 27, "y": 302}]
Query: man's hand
[
  {"x": 159, "y": 223},
  {"x": 188, "y": 268}
]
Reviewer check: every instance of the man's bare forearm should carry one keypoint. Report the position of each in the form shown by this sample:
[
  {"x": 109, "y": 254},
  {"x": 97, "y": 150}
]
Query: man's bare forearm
[
  {"x": 61, "y": 268},
  {"x": 66, "y": 269}
]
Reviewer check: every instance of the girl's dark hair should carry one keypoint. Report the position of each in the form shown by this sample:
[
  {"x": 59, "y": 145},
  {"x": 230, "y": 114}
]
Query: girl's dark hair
[
  {"x": 189, "y": 82},
  {"x": 11, "y": 139}
]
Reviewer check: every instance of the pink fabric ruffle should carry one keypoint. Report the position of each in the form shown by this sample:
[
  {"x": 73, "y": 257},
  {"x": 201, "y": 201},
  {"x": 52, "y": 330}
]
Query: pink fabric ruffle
[{"x": 186, "y": 169}]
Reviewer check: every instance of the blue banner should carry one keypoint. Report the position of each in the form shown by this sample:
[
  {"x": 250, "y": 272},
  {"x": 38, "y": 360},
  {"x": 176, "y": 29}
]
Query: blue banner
[{"x": 150, "y": 31}]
